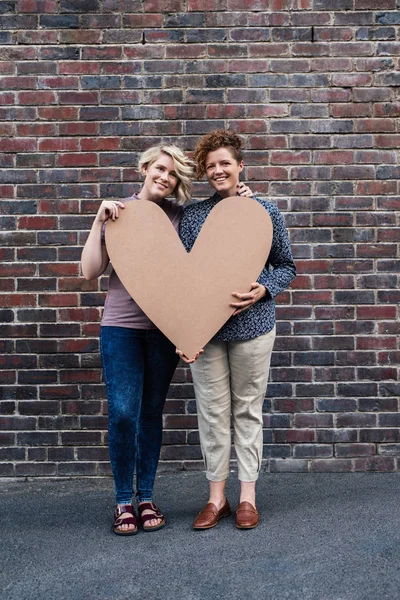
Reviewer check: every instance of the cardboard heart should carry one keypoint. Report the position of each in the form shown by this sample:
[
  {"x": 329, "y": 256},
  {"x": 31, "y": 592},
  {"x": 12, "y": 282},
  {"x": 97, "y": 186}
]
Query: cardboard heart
[{"x": 187, "y": 295}]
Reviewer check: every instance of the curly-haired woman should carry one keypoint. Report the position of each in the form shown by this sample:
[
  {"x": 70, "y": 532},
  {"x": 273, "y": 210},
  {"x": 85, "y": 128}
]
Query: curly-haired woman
[{"x": 230, "y": 377}]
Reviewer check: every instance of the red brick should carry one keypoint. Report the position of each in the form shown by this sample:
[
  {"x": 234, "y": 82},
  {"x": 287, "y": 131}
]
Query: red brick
[
  {"x": 350, "y": 110},
  {"x": 36, "y": 98},
  {"x": 387, "y": 141},
  {"x": 18, "y": 299},
  {"x": 59, "y": 113},
  {"x": 49, "y": 269},
  {"x": 290, "y": 158},
  {"x": 260, "y": 173},
  {"x": 330, "y": 95},
  {"x": 88, "y": 129},
  {"x": 353, "y": 49},
  {"x": 58, "y": 144},
  {"x": 268, "y": 49},
  {"x": 37, "y": 223},
  {"x": 141, "y": 21},
  {"x": 376, "y": 343},
  {"x": 36, "y": 37},
  {"x": 58, "y": 300},
  {"x": 79, "y": 376},
  {"x": 333, "y": 157},
  {"x": 36, "y": 129},
  {"x": 328, "y": 34},
  {"x": 102, "y": 53},
  {"x": 38, "y": 6},
  {"x": 7, "y": 67},
  {"x": 206, "y": 5},
  {"x": 352, "y": 79},
  {"x": 7, "y": 98},
  {"x": 80, "y": 36},
  {"x": 331, "y": 64},
  {"x": 79, "y": 68},
  {"x": 372, "y": 125},
  {"x": 18, "y": 145},
  {"x": 80, "y": 314},
  {"x": 294, "y": 436},
  {"x": 77, "y": 160},
  {"x": 63, "y": 83}
]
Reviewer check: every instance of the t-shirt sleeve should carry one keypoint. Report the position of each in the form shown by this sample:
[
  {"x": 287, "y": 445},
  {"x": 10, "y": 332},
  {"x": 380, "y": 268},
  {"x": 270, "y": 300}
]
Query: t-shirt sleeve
[{"x": 103, "y": 234}]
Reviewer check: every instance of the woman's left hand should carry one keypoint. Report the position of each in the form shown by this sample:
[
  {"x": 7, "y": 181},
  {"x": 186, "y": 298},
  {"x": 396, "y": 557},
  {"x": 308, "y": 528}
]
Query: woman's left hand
[
  {"x": 257, "y": 291},
  {"x": 185, "y": 358},
  {"x": 244, "y": 190}
]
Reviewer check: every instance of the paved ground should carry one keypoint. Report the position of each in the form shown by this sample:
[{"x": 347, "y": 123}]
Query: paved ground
[{"x": 322, "y": 537}]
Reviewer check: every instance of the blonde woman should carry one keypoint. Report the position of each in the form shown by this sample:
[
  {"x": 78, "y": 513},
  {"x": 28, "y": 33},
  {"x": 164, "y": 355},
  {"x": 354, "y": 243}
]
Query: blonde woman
[{"x": 138, "y": 360}]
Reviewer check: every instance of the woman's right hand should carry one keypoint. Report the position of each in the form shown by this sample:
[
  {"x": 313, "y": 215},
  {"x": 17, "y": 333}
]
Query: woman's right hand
[
  {"x": 185, "y": 358},
  {"x": 108, "y": 209}
]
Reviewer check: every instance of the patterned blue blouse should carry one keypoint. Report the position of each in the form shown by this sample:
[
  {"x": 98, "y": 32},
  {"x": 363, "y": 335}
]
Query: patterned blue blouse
[{"x": 276, "y": 276}]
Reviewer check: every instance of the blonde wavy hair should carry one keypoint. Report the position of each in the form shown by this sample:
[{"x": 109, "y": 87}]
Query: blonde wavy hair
[{"x": 184, "y": 168}]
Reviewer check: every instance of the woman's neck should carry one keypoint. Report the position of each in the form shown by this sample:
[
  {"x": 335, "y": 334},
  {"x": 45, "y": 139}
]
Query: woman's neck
[{"x": 144, "y": 195}]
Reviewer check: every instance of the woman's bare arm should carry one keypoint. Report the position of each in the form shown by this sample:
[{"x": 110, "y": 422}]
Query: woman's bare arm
[{"x": 94, "y": 259}]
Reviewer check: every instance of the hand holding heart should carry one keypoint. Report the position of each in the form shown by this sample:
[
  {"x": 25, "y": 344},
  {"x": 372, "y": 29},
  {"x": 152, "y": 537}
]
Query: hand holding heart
[
  {"x": 109, "y": 209},
  {"x": 257, "y": 291},
  {"x": 186, "y": 359}
]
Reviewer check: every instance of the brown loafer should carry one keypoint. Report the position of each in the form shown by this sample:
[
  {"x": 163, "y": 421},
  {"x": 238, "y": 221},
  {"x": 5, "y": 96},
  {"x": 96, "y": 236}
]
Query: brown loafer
[
  {"x": 210, "y": 515},
  {"x": 247, "y": 516}
]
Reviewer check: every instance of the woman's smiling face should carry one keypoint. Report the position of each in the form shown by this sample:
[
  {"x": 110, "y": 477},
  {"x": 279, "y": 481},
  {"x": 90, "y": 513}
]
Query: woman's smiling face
[
  {"x": 161, "y": 179},
  {"x": 222, "y": 171}
]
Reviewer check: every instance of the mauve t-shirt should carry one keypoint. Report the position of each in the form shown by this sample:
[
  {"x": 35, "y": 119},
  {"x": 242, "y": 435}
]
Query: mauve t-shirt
[{"x": 120, "y": 310}]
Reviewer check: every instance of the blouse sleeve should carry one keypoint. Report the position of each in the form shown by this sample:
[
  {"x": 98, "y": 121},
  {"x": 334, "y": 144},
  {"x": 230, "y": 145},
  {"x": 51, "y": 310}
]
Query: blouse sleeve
[{"x": 280, "y": 258}]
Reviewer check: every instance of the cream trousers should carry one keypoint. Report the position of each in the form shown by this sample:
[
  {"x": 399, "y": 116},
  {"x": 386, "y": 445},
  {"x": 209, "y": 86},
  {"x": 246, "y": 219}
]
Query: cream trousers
[{"x": 231, "y": 378}]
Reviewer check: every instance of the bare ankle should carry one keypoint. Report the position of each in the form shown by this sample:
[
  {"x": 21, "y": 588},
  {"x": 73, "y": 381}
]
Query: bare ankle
[{"x": 219, "y": 501}]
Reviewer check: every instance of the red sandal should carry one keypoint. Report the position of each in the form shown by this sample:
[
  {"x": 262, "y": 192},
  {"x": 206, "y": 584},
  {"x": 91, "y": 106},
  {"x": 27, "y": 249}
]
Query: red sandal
[
  {"x": 156, "y": 514},
  {"x": 119, "y": 520}
]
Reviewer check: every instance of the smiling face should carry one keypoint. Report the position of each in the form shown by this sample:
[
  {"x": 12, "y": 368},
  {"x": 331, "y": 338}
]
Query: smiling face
[
  {"x": 161, "y": 179},
  {"x": 222, "y": 171}
]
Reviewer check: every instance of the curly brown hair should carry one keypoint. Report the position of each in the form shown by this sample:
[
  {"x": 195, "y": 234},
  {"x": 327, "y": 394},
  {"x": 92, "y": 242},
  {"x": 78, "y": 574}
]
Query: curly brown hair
[{"x": 212, "y": 141}]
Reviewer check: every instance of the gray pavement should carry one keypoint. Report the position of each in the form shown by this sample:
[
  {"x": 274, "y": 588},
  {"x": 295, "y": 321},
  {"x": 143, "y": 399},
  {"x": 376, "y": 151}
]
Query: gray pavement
[{"x": 322, "y": 537}]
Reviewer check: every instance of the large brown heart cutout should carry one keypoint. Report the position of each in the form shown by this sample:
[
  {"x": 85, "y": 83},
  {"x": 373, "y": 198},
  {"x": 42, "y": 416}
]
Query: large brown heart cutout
[{"x": 187, "y": 295}]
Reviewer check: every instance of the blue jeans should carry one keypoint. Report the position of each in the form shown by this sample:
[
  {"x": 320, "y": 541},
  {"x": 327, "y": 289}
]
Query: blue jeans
[{"x": 138, "y": 366}]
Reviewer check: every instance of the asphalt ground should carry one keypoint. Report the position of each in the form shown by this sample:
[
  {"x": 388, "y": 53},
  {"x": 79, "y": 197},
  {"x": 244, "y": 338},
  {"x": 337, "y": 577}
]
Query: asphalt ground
[{"x": 321, "y": 537}]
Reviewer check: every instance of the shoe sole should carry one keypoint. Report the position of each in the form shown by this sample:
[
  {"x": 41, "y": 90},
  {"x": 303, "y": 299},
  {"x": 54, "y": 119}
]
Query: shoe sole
[
  {"x": 125, "y": 533},
  {"x": 247, "y": 527},
  {"x": 211, "y": 526}
]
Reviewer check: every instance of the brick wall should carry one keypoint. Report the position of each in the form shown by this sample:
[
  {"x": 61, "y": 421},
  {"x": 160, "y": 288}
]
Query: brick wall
[{"x": 85, "y": 86}]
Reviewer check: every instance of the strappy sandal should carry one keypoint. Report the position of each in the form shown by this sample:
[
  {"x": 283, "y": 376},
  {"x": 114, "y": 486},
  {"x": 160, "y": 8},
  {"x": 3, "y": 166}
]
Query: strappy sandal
[
  {"x": 156, "y": 514},
  {"x": 119, "y": 520}
]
